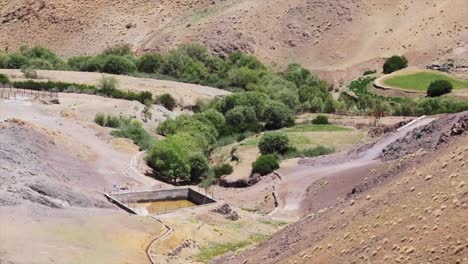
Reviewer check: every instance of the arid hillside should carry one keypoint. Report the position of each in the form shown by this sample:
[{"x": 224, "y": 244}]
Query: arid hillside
[
  {"x": 412, "y": 210},
  {"x": 321, "y": 34}
]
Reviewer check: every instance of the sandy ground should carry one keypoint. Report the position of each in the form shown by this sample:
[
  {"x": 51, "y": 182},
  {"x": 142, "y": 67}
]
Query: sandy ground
[
  {"x": 63, "y": 224},
  {"x": 185, "y": 94},
  {"x": 37, "y": 235}
]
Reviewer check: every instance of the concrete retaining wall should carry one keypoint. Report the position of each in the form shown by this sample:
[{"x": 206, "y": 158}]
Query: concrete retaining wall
[{"x": 164, "y": 195}]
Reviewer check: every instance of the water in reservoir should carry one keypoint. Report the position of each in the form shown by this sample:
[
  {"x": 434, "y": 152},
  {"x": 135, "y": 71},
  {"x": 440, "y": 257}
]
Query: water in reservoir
[{"x": 159, "y": 207}]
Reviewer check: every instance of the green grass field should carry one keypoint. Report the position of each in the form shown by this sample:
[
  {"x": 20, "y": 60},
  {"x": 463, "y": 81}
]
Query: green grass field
[{"x": 421, "y": 80}]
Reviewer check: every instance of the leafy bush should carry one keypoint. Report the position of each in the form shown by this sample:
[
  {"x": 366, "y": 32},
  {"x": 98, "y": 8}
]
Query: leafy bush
[
  {"x": 242, "y": 118},
  {"x": 170, "y": 157},
  {"x": 277, "y": 115},
  {"x": 265, "y": 164},
  {"x": 4, "y": 79},
  {"x": 214, "y": 118},
  {"x": 320, "y": 120},
  {"x": 205, "y": 134},
  {"x": 100, "y": 119},
  {"x": 198, "y": 167},
  {"x": 118, "y": 65},
  {"x": 395, "y": 63},
  {"x": 16, "y": 61},
  {"x": 167, "y": 101},
  {"x": 222, "y": 169},
  {"x": 85, "y": 63},
  {"x": 274, "y": 143},
  {"x": 439, "y": 87},
  {"x": 150, "y": 62},
  {"x": 134, "y": 131},
  {"x": 369, "y": 72},
  {"x": 310, "y": 152},
  {"x": 118, "y": 50}
]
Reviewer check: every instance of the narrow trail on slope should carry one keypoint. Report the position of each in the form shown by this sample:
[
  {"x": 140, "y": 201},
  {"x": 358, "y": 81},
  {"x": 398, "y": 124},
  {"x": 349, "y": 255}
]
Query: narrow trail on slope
[
  {"x": 296, "y": 181},
  {"x": 131, "y": 171}
]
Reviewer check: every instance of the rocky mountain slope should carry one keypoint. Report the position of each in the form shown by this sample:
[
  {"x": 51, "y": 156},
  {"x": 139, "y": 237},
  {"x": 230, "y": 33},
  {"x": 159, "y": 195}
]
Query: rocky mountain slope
[
  {"x": 413, "y": 212},
  {"x": 321, "y": 34}
]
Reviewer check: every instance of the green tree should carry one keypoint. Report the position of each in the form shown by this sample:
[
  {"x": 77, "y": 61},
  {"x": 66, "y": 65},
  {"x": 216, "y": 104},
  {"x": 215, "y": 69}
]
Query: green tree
[
  {"x": 395, "y": 63},
  {"x": 242, "y": 118},
  {"x": 170, "y": 157},
  {"x": 277, "y": 115},
  {"x": 439, "y": 87},
  {"x": 198, "y": 166},
  {"x": 274, "y": 143}
]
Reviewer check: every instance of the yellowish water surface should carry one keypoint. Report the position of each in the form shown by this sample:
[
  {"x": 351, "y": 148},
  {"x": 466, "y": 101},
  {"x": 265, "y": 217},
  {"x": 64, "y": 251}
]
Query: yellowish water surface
[{"x": 160, "y": 206}]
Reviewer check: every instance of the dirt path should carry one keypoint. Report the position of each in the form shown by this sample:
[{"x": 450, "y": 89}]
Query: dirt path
[{"x": 298, "y": 180}]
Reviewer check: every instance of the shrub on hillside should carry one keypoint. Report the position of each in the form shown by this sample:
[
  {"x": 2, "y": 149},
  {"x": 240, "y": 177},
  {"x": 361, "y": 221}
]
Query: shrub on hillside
[
  {"x": 320, "y": 120},
  {"x": 100, "y": 119},
  {"x": 167, "y": 101},
  {"x": 439, "y": 87},
  {"x": 115, "y": 64},
  {"x": 16, "y": 61},
  {"x": 150, "y": 63},
  {"x": 395, "y": 63},
  {"x": 134, "y": 131},
  {"x": 369, "y": 72},
  {"x": 85, "y": 63},
  {"x": 265, "y": 164},
  {"x": 4, "y": 79},
  {"x": 274, "y": 143},
  {"x": 54, "y": 86},
  {"x": 222, "y": 169}
]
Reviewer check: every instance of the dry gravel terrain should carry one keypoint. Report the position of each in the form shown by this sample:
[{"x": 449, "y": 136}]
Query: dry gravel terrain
[{"x": 321, "y": 34}]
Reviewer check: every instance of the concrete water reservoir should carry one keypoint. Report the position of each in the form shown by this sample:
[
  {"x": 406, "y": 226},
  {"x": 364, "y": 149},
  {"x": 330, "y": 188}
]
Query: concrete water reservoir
[{"x": 158, "y": 202}]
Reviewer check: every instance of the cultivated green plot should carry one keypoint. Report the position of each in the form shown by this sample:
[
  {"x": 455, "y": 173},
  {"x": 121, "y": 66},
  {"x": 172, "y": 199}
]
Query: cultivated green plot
[{"x": 421, "y": 80}]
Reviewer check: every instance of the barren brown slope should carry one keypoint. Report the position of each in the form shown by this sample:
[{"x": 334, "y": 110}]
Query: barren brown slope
[
  {"x": 413, "y": 211},
  {"x": 321, "y": 34}
]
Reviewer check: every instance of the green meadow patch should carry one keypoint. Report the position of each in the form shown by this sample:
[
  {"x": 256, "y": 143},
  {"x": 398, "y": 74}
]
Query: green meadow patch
[{"x": 421, "y": 80}]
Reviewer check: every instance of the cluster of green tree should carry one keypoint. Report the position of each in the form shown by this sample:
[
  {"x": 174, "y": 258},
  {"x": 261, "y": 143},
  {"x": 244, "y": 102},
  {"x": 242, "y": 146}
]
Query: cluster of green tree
[
  {"x": 39, "y": 58},
  {"x": 126, "y": 127},
  {"x": 367, "y": 102},
  {"x": 296, "y": 88},
  {"x": 275, "y": 146}
]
